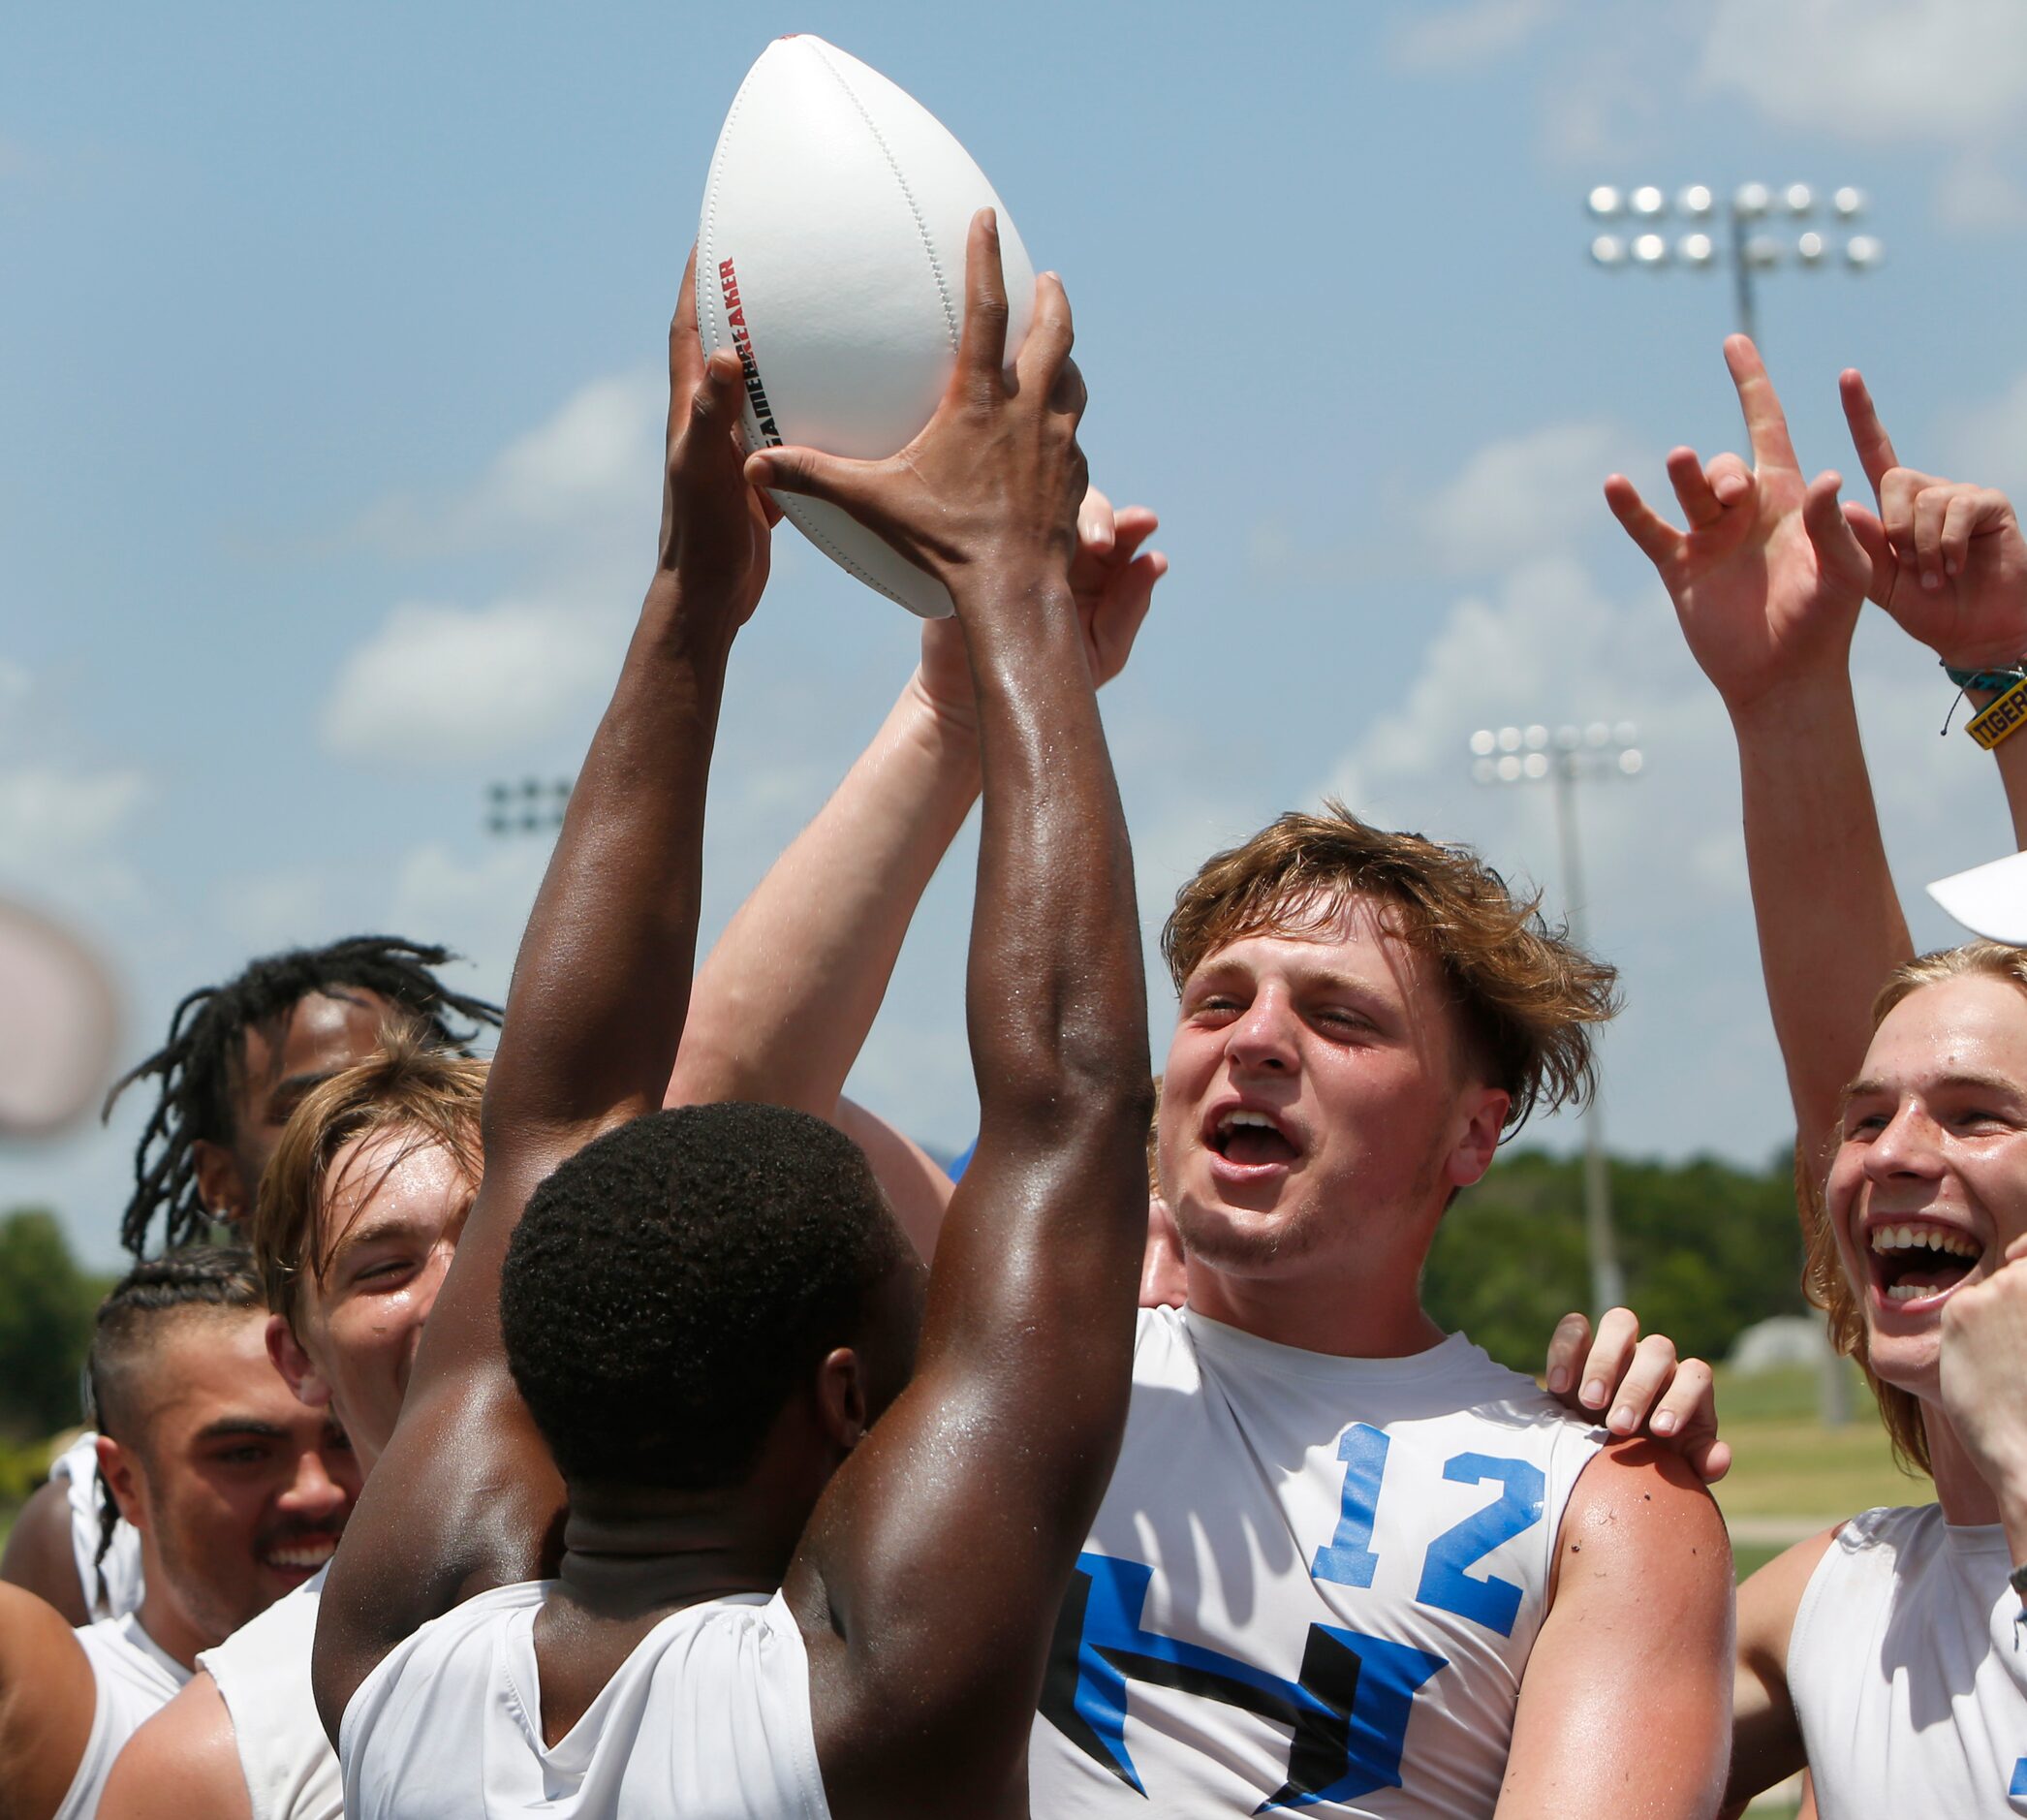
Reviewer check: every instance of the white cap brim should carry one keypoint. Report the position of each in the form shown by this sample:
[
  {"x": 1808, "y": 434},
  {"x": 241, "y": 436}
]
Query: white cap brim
[{"x": 1988, "y": 900}]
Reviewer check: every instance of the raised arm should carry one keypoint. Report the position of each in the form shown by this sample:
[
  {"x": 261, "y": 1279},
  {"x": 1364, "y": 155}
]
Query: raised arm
[
  {"x": 466, "y": 1497},
  {"x": 1950, "y": 564},
  {"x": 786, "y": 998},
  {"x": 929, "y": 1577},
  {"x": 1767, "y": 581}
]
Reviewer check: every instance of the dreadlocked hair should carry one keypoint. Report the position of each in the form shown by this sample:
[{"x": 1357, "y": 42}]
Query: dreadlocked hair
[
  {"x": 195, "y": 1066},
  {"x": 216, "y": 1277}
]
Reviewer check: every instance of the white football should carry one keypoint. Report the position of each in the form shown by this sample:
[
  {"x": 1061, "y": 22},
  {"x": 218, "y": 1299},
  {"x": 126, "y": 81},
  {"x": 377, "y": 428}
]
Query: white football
[{"x": 831, "y": 259}]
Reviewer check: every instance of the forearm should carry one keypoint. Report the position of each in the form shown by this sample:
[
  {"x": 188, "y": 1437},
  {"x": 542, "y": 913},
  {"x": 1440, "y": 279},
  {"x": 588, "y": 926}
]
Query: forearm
[
  {"x": 2010, "y": 756},
  {"x": 1831, "y": 927},
  {"x": 1055, "y": 997},
  {"x": 602, "y": 980},
  {"x": 784, "y": 1003}
]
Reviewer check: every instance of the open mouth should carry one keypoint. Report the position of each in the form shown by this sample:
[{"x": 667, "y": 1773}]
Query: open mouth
[
  {"x": 1919, "y": 1261},
  {"x": 1252, "y": 1140},
  {"x": 301, "y": 1554}
]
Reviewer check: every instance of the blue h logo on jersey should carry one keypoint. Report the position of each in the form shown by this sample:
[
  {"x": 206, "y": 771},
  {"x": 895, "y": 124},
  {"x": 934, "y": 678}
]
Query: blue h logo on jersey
[{"x": 1348, "y": 1713}]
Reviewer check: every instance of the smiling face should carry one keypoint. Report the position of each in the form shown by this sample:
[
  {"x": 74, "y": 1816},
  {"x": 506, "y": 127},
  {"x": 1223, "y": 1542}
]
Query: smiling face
[
  {"x": 1929, "y": 1182},
  {"x": 1318, "y": 1108},
  {"x": 390, "y": 1211},
  {"x": 238, "y": 1490}
]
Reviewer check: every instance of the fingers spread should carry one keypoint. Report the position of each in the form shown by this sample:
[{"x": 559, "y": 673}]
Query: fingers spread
[
  {"x": 1878, "y": 553},
  {"x": 718, "y": 401},
  {"x": 808, "y": 471},
  {"x": 1652, "y": 1370},
  {"x": 1658, "y": 539},
  {"x": 1610, "y": 1354},
  {"x": 1838, "y": 551},
  {"x": 1765, "y": 423},
  {"x": 1868, "y": 434},
  {"x": 1097, "y": 524},
  {"x": 981, "y": 349},
  {"x": 1566, "y": 1350},
  {"x": 1044, "y": 355},
  {"x": 685, "y": 350},
  {"x": 1700, "y": 504}
]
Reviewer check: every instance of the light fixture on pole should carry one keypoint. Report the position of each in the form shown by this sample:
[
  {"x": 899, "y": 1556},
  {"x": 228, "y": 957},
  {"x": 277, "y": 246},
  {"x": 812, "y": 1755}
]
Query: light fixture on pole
[
  {"x": 1565, "y": 758},
  {"x": 1762, "y": 233},
  {"x": 532, "y": 806}
]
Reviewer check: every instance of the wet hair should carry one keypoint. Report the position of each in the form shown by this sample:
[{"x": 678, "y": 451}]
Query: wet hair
[
  {"x": 1824, "y": 1282},
  {"x": 202, "y": 1280},
  {"x": 199, "y": 1064},
  {"x": 671, "y": 1285},
  {"x": 1526, "y": 995},
  {"x": 410, "y": 1086}
]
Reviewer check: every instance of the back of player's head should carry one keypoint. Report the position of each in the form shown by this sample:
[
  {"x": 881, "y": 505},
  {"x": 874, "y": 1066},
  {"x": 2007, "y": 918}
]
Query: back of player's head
[
  {"x": 410, "y": 1086},
  {"x": 198, "y": 1283},
  {"x": 1525, "y": 995},
  {"x": 195, "y": 1068},
  {"x": 1824, "y": 1282},
  {"x": 671, "y": 1285}
]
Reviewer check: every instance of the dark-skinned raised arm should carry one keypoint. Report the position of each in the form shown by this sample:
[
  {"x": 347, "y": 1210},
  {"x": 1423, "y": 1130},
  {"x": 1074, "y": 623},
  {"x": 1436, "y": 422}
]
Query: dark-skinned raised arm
[
  {"x": 928, "y": 1580},
  {"x": 466, "y": 1497}
]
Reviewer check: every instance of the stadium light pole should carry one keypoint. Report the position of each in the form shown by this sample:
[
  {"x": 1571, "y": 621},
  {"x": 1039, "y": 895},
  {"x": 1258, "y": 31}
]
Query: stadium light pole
[
  {"x": 1564, "y": 759},
  {"x": 1755, "y": 217}
]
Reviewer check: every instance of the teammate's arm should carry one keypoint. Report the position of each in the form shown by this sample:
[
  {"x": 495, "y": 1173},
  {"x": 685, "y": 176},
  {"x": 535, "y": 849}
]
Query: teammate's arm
[
  {"x": 1768, "y": 581},
  {"x": 783, "y": 1003},
  {"x": 928, "y": 1580},
  {"x": 467, "y": 1495},
  {"x": 48, "y": 1697},
  {"x": 39, "y": 1556},
  {"x": 1766, "y": 1738},
  {"x": 1626, "y": 1700},
  {"x": 185, "y": 1760}
]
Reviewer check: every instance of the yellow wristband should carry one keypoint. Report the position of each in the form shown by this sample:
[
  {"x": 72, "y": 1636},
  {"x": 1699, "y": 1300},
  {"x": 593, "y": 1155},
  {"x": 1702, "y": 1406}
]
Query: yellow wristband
[{"x": 2001, "y": 719}]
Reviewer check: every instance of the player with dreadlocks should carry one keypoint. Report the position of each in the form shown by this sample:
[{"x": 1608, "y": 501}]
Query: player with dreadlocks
[
  {"x": 238, "y": 1491},
  {"x": 239, "y": 1058}
]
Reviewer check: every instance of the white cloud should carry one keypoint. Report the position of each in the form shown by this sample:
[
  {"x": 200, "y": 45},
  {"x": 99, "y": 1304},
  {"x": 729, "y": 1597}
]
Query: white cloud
[
  {"x": 1987, "y": 441},
  {"x": 60, "y": 831},
  {"x": 1474, "y": 33},
  {"x": 450, "y": 684},
  {"x": 1522, "y": 497},
  {"x": 1977, "y": 195},
  {"x": 585, "y": 482},
  {"x": 1867, "y": 71}
]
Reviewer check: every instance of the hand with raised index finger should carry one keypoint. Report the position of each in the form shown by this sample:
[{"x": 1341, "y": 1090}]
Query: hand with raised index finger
[
  {"x": 1949, "y": 561},
  {"x": 1766, "y": 578}
]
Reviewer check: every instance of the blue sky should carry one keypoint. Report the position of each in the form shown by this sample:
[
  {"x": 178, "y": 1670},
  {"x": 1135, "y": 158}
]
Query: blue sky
[{"x": 329, "y": 404}]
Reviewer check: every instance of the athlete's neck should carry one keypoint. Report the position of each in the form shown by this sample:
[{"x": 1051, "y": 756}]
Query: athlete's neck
[
  {"x": 631, "y": 1550},
  {"x": 1960, "y": 1488},
  {"x": 1358, "y": 1318},
  {"x": 167, "y": 1626}
]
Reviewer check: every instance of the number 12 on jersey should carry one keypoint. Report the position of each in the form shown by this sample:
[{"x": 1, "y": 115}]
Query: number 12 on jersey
[{"x": 1348, "y": 1559}]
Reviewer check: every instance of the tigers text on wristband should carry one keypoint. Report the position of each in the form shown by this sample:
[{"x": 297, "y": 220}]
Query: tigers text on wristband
[
  {"x": 2003, "y": 718},
  {"x": 1991, "y": 681}
]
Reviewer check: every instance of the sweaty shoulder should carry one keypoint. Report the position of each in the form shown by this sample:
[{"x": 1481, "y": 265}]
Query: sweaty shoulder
[
  {"x": 184, "y": 1760},
  {"x": 1639, "y": 1502}
]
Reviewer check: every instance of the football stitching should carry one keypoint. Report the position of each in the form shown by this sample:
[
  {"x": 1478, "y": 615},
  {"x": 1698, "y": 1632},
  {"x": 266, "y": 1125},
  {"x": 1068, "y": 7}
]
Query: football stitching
[
  {"x": 943, "y": 291},
  {"x": 839, "y": 556},
  {"x": 710, "y": 237}
]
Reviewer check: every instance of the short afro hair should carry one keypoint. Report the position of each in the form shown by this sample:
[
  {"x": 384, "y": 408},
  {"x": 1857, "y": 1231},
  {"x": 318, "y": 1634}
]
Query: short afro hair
[{"x": 669, "y": 1285}]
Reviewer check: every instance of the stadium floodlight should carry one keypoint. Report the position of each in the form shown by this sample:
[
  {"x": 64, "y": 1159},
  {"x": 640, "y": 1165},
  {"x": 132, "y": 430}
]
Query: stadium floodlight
[
  {"x": 1756, "y": 242},
  {"x": 1565, "y": 757},
  {"x": 534, "y": 805}
]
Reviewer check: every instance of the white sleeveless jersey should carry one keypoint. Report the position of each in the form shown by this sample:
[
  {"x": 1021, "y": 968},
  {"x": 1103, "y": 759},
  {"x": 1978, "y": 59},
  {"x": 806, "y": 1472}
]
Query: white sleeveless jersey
[
  {"x": 1313, "y": 1584},
  {"x": 708, "y": 1720},
  {"x": 263, "y": 1673},
  {"x": 77, "y": 1466},
  {"x": 133, "y": 1678},
  {"x": 1908, "y": 1668}
]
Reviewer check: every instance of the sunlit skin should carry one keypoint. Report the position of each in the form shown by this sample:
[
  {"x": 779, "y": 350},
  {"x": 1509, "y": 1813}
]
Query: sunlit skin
[
  {"x": 392, "y": 1207},
  {"x": 239, "y": 1491},
  {"x": 1314, "y": 1232},
  {"x": 1934, "y": 1136},
  {"x": 323, "y": 1035}
]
